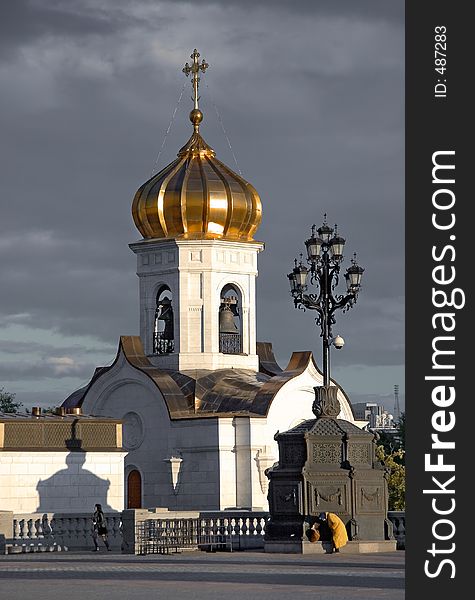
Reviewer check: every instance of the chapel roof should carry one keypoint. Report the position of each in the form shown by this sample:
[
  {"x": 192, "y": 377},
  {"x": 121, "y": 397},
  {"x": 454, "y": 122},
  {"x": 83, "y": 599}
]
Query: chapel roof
[{"x": 205, "y": 393}]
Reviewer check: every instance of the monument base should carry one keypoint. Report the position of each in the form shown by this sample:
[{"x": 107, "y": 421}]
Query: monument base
[{"x": 305, "y": 547}]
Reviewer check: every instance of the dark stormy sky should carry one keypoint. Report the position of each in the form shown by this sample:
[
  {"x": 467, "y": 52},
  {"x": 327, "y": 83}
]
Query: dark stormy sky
[{"x": 311, "y": 95}]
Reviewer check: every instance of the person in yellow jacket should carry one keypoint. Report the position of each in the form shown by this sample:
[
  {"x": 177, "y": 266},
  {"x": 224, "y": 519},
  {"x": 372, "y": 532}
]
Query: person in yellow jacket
[{"x": 336, "y": 527}]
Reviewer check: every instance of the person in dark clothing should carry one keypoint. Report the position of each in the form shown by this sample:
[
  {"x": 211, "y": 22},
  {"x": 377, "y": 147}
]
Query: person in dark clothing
[{"x": 99, "y": 528}]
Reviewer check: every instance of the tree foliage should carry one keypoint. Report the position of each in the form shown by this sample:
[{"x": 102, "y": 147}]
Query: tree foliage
[
  {"x": 396, "y": 476},
  {"x": 389, "y": 441},
  {"x": 8, "y": 403}
]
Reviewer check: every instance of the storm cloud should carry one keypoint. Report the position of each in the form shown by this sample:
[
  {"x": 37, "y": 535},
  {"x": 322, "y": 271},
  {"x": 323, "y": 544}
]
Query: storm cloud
[{"x": 311, "y": 95}]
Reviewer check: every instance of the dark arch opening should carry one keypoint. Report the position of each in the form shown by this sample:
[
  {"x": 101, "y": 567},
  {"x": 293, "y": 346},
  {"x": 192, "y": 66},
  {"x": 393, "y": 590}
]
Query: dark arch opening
[
  {"x": 163, "y": 331},
  {"x": 230, "y": 324}
]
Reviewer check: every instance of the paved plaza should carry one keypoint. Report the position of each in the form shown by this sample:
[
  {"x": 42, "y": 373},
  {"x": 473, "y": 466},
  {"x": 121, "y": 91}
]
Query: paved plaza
[{"x": 201, "y": 575}]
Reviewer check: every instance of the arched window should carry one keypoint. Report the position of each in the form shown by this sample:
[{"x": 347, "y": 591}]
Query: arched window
[
  {"x": 230, "y": 326},
  {"x": 163, "y": 336}
]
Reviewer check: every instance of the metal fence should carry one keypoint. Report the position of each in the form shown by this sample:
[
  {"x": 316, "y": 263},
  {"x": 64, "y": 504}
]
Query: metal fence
[{"x": 162, "y": 536}]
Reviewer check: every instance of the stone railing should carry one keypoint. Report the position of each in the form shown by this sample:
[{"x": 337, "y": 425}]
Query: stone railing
[
  {"x": 398, "y": 519},
  {"x": 245, "y": 528},
  {"x": 42, "y": 532},
  {"x": 73, "y": 531}
]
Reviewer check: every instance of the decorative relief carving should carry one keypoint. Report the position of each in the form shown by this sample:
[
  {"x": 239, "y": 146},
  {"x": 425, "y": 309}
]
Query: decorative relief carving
[
  {"x": 326, "y": 453},
  {"x": 373, "y": 497},
  {"x": 332, "y": 496},
  {"x": 286, "y": 498},
  {"x": 359, "y": 454},
  {"x": 326, "y": 403},
  {"x": 290, "y": 497},
  {"x": 132, "y": 431},
  {"x": 370, "y": 499}
]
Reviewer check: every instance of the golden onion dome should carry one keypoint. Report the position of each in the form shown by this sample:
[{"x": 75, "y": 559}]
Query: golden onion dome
[{"x": 197, "y": 196}]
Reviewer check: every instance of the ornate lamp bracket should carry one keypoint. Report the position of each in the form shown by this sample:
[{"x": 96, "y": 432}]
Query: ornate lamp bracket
[{"x": 326, "y": 403}]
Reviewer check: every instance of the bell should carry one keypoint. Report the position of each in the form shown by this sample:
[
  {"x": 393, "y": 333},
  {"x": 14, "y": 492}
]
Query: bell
[
  {"x": 226, "y": 321},
  {"x": 164, "y": 312}
]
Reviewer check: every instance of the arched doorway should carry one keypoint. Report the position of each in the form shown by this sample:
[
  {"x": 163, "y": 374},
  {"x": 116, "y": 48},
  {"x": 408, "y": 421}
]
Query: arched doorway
[{"x": 134, "y": 489}]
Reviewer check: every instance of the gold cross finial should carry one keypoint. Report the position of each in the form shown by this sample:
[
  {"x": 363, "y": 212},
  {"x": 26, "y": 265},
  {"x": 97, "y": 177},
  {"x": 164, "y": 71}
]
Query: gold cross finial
[{"x": 195, "y": 116}]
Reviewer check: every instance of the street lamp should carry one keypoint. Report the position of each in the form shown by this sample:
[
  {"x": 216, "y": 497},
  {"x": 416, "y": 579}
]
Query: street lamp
[{"x": 324, "y": 256}]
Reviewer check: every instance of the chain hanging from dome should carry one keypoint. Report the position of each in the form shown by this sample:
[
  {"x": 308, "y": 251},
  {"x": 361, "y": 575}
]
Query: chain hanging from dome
[{"x": 197, "y": 196}]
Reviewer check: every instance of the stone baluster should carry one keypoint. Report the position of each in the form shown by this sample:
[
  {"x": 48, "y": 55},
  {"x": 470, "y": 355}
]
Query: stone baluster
[
  {"x": 58, "y": 531},
  {"x": 85, "y": 533},
  {"x": 70, "y": 534},
  {"x": 54, "y": 530},
  {"x": 75, "y": 532},
  {"x": 16, "y": 530},
  {"x": 22, "y": 529},
  {"x": 46, "y": 528},
  {"x": 227, "y": 528},
  {"x": 398, "y": 519},
  {"x": 263, "y": 525},
  {"x": 39, "y": 529},
  {"x": 400, "y": 533},
  {"x": 30, "y": 525},
  {"x": 85, "y": 537}
]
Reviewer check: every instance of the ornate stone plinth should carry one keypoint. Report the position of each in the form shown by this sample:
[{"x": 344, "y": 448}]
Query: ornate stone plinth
[{"x": 327, "y": 465}]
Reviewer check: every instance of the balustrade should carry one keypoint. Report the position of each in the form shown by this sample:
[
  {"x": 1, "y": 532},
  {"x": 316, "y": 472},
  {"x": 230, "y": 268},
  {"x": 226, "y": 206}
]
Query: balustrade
[
  {"x": 230, "y": 343},
  {"x": 54, "y": 531},
  {"x": 398, "y": 519},
  {"x": 161, "y": 344}
]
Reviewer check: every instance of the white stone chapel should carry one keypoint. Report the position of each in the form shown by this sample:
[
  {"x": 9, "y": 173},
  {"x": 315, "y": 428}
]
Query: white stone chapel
[{"x": 200, "y": 399}]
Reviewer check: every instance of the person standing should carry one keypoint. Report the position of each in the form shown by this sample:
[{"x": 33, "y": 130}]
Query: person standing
[{"x": 99, "y": 528}]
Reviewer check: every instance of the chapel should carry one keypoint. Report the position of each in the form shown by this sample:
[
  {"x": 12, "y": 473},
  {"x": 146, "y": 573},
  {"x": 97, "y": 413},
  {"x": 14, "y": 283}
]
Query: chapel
[{"x": 199, "y": 397}]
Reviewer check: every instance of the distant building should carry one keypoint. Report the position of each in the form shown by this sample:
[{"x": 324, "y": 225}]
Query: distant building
[{"x": 377, "y": 416}]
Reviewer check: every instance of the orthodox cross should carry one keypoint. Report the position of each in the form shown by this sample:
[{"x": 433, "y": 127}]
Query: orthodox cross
[{"x": 195, "y": 68}]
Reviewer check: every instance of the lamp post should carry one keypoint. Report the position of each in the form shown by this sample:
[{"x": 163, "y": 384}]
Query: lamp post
[{"x": 324, "y": 256}]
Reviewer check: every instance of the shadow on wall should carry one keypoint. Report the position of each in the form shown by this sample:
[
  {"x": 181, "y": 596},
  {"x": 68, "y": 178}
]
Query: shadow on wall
[{"x": 73, "y": 488}]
